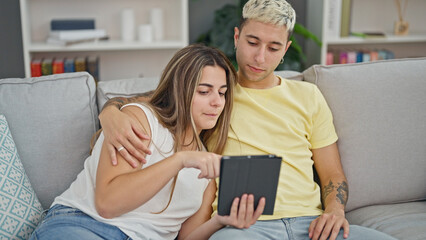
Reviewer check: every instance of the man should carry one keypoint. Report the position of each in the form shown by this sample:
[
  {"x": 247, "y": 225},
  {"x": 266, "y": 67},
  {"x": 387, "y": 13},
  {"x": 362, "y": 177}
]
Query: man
[{"x": 290, "y": 119}]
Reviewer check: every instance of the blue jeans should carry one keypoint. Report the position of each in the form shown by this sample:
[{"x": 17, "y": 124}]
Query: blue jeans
[
  {"x": 292, "y": 229},
  {"x": 63, "y": 222}
]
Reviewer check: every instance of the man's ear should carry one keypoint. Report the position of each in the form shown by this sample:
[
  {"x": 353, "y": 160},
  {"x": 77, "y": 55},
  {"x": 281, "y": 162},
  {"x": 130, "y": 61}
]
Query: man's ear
[
  {"x": 236, "y": 35},
  {"x": 288, "y": 45}
]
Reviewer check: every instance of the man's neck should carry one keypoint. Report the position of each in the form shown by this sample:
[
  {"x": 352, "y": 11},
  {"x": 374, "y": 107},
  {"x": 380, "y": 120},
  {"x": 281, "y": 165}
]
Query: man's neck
[{"x": 268, "y": 82}]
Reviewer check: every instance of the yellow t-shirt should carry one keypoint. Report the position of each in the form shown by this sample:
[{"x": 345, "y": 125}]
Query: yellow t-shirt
[{"x": 287, "y": 120}]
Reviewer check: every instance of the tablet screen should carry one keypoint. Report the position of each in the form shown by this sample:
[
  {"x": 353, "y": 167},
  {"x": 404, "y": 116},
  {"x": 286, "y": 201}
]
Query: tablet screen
[{"x": 255, "y": 174}]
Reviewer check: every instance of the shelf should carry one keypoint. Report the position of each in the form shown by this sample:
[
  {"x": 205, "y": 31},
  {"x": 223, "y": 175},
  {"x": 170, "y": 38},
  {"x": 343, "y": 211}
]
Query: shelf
[
  {"x": 109, "y": 45},
  {"x": 388, "y": 39},
  {"x": 117, "y": 59},
  {"x": 365, "y": 17}
]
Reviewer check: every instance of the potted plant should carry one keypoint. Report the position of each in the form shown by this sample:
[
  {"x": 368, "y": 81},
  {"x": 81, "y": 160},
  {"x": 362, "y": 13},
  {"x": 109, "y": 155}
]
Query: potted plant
[{"x": 221, "y": 35}]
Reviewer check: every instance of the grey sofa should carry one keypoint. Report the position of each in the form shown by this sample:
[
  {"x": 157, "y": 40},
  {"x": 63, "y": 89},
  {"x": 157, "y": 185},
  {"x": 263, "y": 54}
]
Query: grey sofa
[{"x": 379, "y": 112}]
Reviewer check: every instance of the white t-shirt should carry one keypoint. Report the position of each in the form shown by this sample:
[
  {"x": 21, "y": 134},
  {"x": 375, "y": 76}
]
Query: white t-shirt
[{"x": 142, "y": 223}]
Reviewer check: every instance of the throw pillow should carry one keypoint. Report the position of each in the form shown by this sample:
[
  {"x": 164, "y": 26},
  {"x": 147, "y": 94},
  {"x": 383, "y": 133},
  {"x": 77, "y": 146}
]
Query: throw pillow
[{"x": 20, "y": 209}]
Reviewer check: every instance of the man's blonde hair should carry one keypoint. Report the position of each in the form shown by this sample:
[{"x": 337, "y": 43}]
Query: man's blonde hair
[{"x": 277, "y": 12}]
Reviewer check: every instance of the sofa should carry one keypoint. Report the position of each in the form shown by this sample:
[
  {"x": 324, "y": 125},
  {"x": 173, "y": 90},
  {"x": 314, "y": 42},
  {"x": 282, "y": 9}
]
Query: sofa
[{"x": 379, "y": 111}]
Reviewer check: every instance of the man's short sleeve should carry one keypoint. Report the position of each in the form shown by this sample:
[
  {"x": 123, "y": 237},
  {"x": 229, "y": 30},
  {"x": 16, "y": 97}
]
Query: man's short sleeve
[{"x": 323, "y": 131}]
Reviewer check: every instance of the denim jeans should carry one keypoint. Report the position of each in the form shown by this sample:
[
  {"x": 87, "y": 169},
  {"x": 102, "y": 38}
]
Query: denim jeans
[
  {"x": 292, "y": 229},
  {"x": 63, "y": 222}
]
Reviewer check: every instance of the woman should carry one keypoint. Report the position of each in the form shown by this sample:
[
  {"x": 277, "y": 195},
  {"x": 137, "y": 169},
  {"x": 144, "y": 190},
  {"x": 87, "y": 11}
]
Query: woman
[{"x": 171, "y": 194}]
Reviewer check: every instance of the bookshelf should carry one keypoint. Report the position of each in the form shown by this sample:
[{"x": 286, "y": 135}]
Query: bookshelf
[
  {"x": 117, "y": 59},
  {"x": 368, "y": 16}
]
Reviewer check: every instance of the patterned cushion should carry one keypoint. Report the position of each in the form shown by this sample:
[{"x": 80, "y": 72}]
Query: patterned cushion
[{"x": 20, "y": 210}]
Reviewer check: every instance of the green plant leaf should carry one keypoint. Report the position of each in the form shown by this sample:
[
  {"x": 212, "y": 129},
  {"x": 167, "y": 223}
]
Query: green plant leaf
[{"x": 301, "y": 30}]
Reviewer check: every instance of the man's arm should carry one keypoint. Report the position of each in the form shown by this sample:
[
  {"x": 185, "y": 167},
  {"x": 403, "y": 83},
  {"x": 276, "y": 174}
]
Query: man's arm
[
  {"x": 334, "y": 194},
  {"x": 118, "y": 102},
  {"x": 122, "y": 132}
]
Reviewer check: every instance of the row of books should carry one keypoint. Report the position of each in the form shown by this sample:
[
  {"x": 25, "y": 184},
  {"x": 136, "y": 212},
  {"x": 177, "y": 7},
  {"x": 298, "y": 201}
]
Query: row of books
[
  {"x": 354, "y": 56},
  {"x": 48, "y": 66}
]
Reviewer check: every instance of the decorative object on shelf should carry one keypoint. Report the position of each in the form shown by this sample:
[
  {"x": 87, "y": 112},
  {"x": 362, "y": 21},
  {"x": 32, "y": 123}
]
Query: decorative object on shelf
[
  {"x": 334, "y": 13},
  {"x": 127, "y": 25},
  {"x": 145, "y": 33},
  {"x": 401, "y": 26},
  {"x": 221, "y": 35},
  {"x": 156, "y": 18}
]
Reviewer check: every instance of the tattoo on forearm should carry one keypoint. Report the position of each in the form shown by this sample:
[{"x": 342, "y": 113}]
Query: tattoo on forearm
[
  {"x": 342, "y": 193},
  {"x": 327, "y": 190},
  {"x": 341, "y": 188}
]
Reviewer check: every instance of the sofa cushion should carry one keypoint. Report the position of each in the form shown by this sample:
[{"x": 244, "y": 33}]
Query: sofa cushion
[
  {"x": 403, "y": 221},
  {"x": 379, "y": 114},
  {"x": 124, "y": 88},
  {"x": 52, "y": 119},
  {"x": 20, "y": 209}
]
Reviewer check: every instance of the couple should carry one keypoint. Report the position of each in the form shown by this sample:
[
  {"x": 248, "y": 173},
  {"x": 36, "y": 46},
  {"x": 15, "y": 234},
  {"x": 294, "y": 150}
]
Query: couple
[{"x": 165, "y": 192}]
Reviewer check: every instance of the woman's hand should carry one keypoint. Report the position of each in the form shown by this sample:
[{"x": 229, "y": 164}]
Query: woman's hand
[
  {"x": 243, "y": 216},
  {"x": 208, "y": 163},
  {"x": 123, "y": 134}
]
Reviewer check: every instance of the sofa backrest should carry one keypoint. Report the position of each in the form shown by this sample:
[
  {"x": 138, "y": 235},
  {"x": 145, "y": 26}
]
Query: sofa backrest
[
  {"x": 379, "y": 111},
  {"x": 124, "y": 88},
  {"x": 52, "y": 120}
]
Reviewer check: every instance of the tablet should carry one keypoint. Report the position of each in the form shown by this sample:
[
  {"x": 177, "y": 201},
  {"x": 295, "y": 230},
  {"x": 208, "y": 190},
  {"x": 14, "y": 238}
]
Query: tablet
[{"x": 255, "y": 174}]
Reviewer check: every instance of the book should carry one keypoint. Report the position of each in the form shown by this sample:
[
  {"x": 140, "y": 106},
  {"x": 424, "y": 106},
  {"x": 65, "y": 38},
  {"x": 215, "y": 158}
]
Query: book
[
  {"x": 69, "y": 65},
  {"x": 36, "y": 68},
  {"x": 77, "y": 35},
  {"x": 382, "y": 55},
  {"x": 374, "y": 55},
  {"x": 366, "y": 56},
  {"x": 257, "y": 175},
  {"x": 92, "y": 63},
  {"x": 359, "y": 56},
  {"x": 345, "y": 21},
  {"x": 351, "y": 56},
  {"x": 58, "y": 66},
  {"x": 72, "y": 24},
  {"x": 334, "y": 13},
  {"x": 343, "y": 58},
  {"x": 330, "y": 58},
  {"x": 46, "y": 66},
  {"x": 80, "y": 64}
]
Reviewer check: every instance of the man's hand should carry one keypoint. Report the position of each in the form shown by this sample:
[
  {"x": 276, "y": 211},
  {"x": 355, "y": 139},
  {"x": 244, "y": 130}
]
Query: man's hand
[
  {"x": 123, "y": 134},
  {"x": 242, "y": 213},
  {"x": 328, "y": 225}
]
